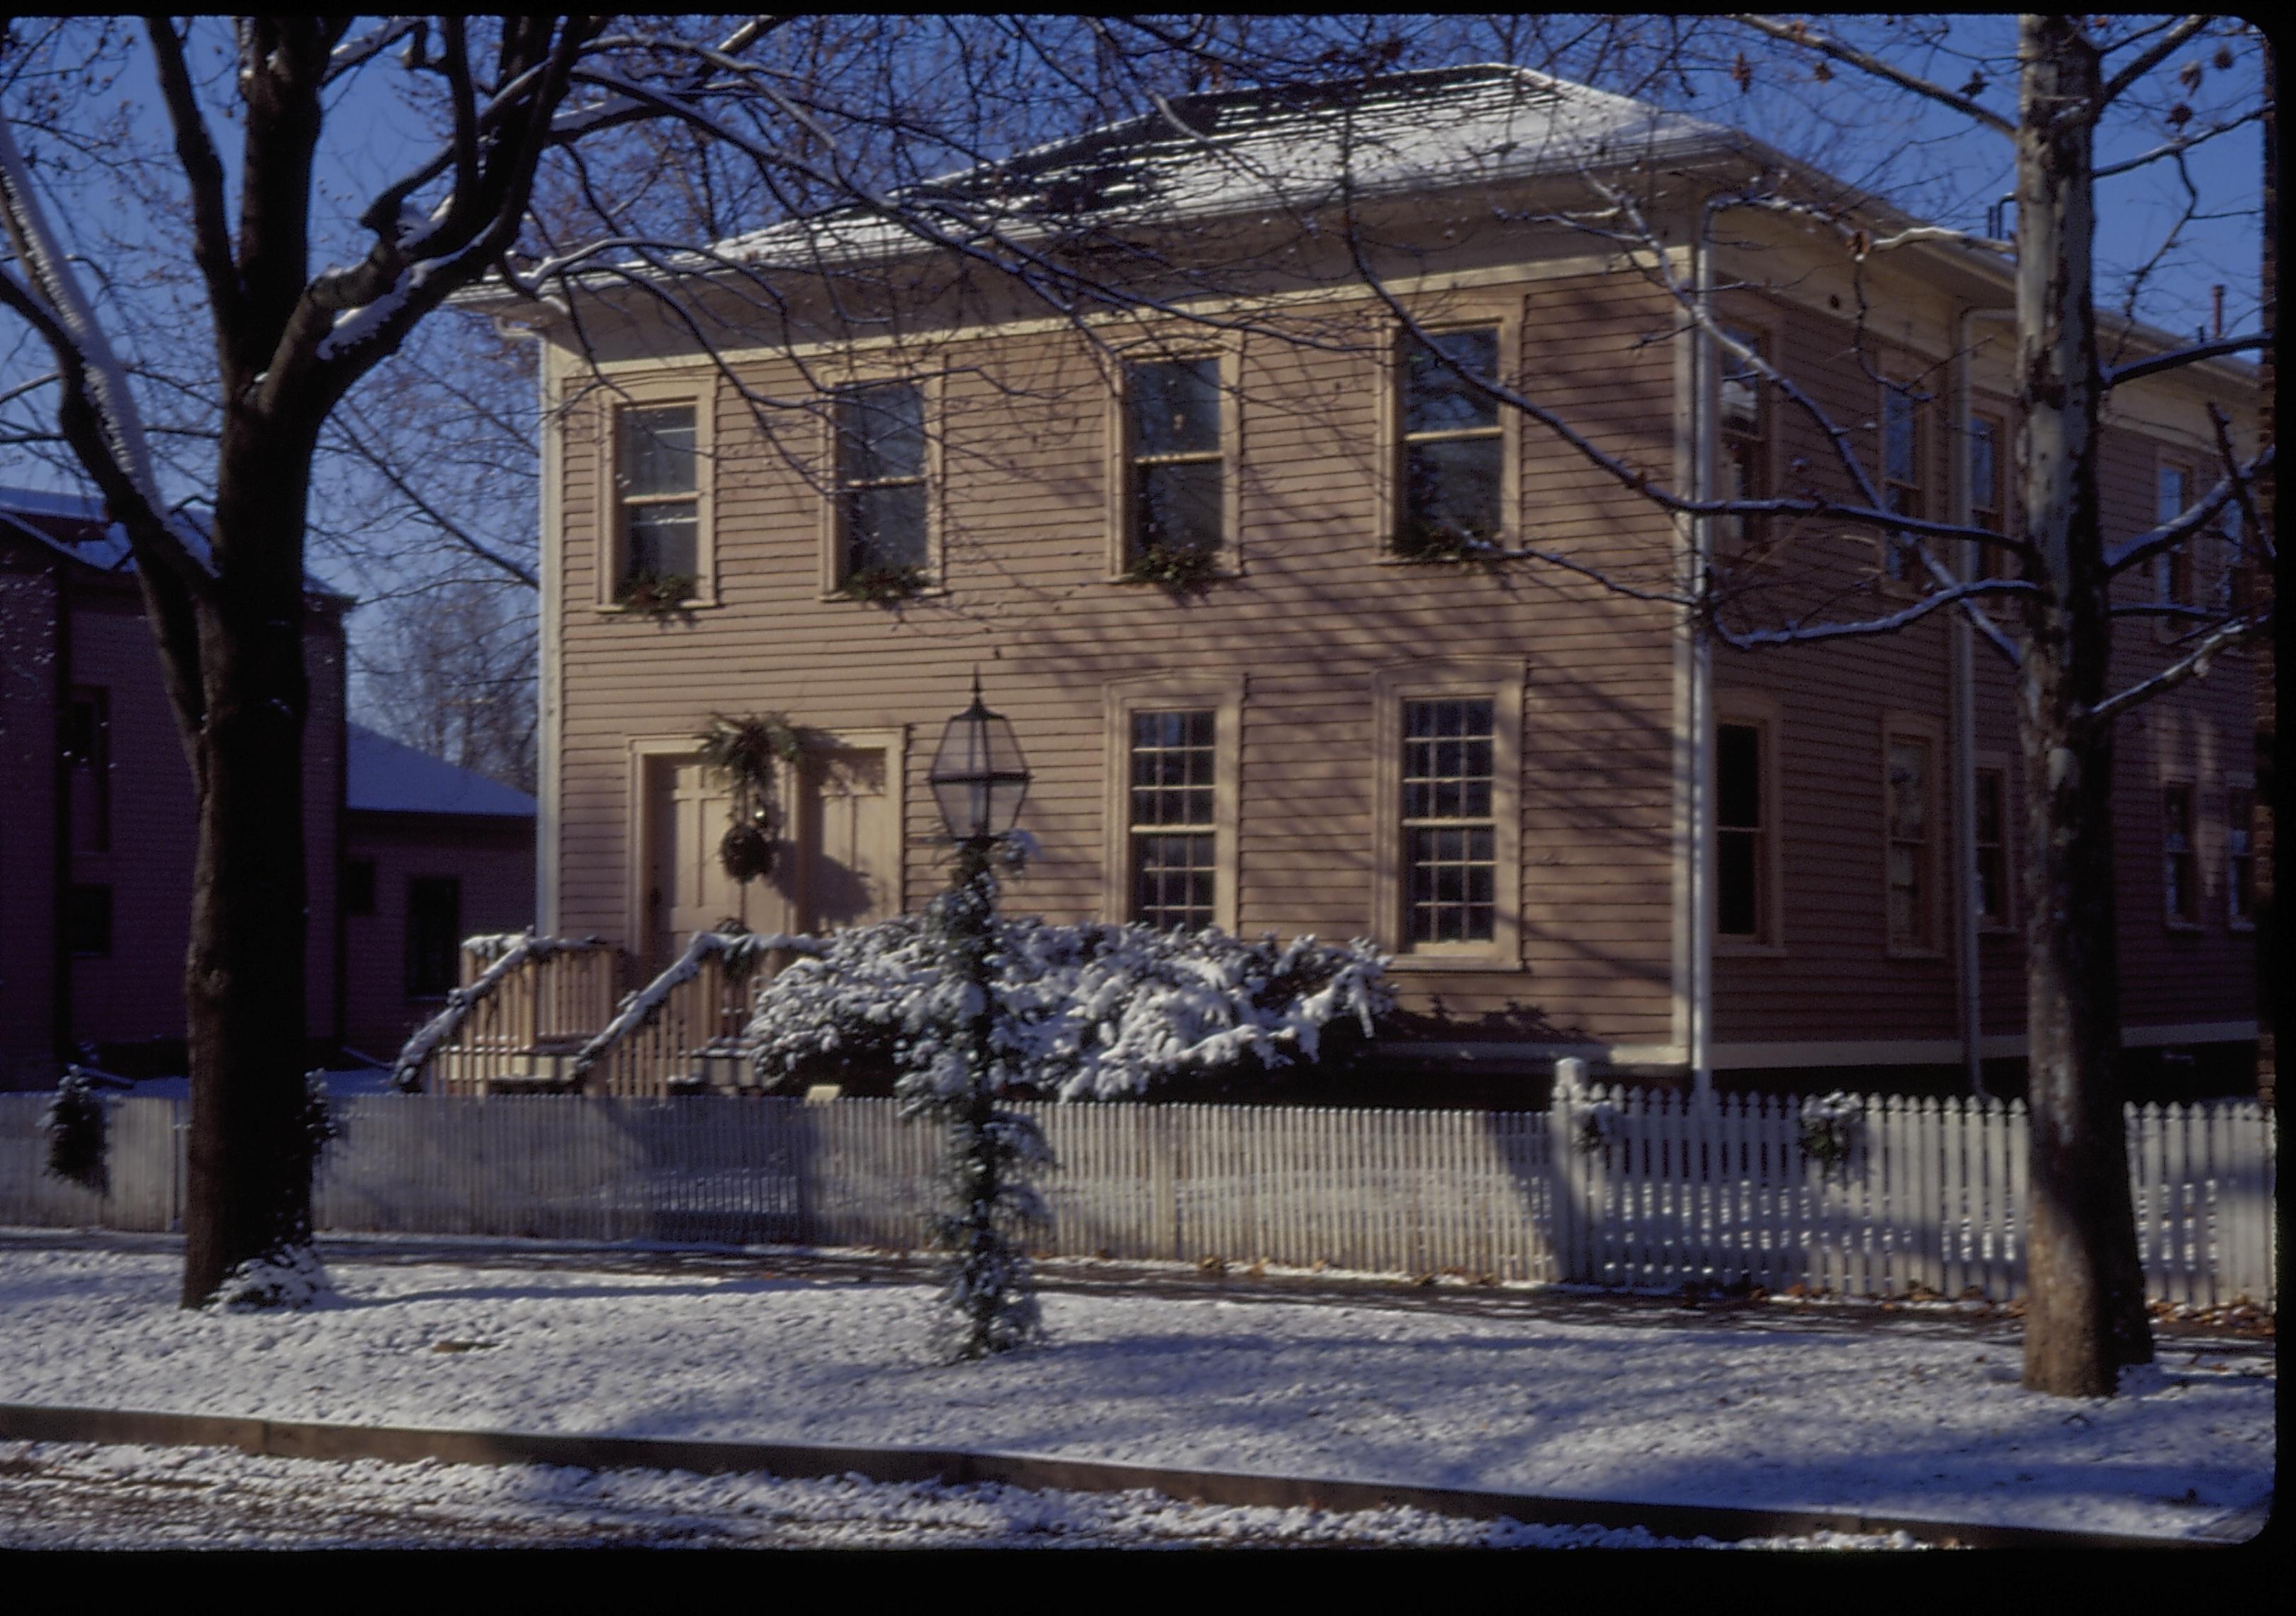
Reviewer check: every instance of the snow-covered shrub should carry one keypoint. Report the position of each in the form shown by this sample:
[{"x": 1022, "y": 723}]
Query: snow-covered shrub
[
  {"x": 1092, "y": 1011},
  {"x": 290, "y": 1278},
  {"x": 321, "y": 1125},
  {"x": 1598, "y": 1123},
  {"x": 74, "y": 1125},
  {"x": 1830, "y": 1127}
]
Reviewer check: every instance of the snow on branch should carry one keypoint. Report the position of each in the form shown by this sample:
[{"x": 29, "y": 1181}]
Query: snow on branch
[
  {"x": 1800, "y": 633},
  {"x": 2177, "y": 530},
  {"x": 2193, "y": 666},
  {"x": 2177, "y": 358}
]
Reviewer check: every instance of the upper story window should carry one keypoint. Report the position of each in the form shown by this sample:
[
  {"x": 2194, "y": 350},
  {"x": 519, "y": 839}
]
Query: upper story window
[
  {"x": 1175, "y": 510},
  {"x": 2180, "y": 864},
  {"x": 1174, "y": 828},
  {"x": 1904, "y": 485},
  {"x": 1988, "y": 498},
  {"x": 1745, "y": 442},
  {"x": 2172, "y": 569},
  {"x": 86, "y": 746},
  {"x": 883, "y": 510},
  {"x": 1453, "y": 448},
  {"x": 1910, "y": 787},
  {"x": 658, "y": 489}
]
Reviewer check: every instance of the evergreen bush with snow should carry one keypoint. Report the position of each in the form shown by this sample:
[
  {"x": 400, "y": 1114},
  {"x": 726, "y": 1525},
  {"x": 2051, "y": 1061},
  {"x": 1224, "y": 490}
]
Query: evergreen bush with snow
[
  {"x": 1093, "y": 1010},
  {"x": 74, "y": 1125}
]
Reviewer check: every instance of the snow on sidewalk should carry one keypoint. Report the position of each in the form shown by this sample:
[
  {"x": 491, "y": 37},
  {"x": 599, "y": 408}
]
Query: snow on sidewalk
[{"x": 1923, "y": 1426}]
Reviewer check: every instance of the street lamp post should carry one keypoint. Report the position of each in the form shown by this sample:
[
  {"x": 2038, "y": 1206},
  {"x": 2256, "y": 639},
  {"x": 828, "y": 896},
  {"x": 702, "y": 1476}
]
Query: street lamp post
[{"x": 980, "y": 779}]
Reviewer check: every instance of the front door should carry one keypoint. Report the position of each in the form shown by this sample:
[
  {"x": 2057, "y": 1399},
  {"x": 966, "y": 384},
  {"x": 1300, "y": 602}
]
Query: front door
[{"x": 688, "y": 889}]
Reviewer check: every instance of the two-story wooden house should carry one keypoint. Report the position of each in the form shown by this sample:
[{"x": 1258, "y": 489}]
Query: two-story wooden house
[{"x": 1302, "y": 633}]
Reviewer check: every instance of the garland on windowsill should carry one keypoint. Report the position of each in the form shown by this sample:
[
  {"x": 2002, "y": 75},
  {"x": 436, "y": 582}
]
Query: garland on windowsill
[
  {"x": 656, "y": 595},
  {"x": 882, "y": 586},
  {"x": 1177, "y": 567},
  {"x": 1432, "y": 545}
]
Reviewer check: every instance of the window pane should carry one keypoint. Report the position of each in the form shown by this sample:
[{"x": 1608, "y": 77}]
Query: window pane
[
  {"x": 1176, "y": 406},
  {"x": 1737, "y": 865},
  {"x": 1901, "y": 436},
  {"x": 1988, "y": 806},
  {"x": 1173, "y": 881},
  {"x": 434, "y": 931},
  {"x": 1173, "y": 765},
  {"x": 1910, "y": 762},
  {"x": 2171, "y": 501},
  {"x": 1742, "y": 389},
  {"x": 1435, "y": 400},
  {"x": 1178, "y": 506},
  {"x": 1738, "y": 775},
  {"x": 87, "y": 921},
  {"x": 1984, "y": 474},
  {"x": 657, "y": 450},
  {"x": 881, "y": 434},
  {"x": 885, "y": 527},
  {"x": 661, "y": 541},
  {"x": 1451, "y": 490}
]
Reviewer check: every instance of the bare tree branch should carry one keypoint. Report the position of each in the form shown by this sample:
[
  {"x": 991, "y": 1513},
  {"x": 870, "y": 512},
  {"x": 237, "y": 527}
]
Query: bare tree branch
[
  {"x": 2190, "y": 667},
  {"x": 2147, "y": 59},
  {"x": 2178, "y": 358},
  {"x": 1808, "y": 39}
]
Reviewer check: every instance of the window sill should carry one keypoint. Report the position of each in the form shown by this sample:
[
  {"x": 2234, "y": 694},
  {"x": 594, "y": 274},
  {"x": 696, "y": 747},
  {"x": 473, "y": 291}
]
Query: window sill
[
  {"x": 1452, "y": 962},
  {"x": 1999, "y": 932},
  {"x": 1739, "y": 947},
  {"x": 615, "y": 608},
  {"x": 1906, "y": 952},
  {"x": 2184, "y": 928},
  {"x": 2239, "y": 925},
  {"x": 1219, "y": 575},
  {"x": 931, "y": 592},
  {"x": 1503, "y": 554}
]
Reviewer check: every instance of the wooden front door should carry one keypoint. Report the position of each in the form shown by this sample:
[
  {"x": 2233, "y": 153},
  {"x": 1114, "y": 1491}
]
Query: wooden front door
[{"x": 688, "y": 889}]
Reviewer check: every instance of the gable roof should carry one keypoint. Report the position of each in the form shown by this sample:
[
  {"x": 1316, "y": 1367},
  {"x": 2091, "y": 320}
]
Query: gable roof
[
  {"x": 384, "y": 777},
  {"x": 1296, "y": 146},
  {"x": 79, "y": 528}
]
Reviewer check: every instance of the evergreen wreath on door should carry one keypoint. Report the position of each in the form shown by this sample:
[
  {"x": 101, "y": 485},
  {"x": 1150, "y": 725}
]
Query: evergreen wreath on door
[{"x": 744, "y": 753}]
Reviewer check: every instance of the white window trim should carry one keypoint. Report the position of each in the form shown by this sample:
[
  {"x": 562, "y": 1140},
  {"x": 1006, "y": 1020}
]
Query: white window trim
[
  {"x": 933, "y": 386},
  {"x": 1228, "y": 349},
  {"x": 1501, "y": 679},
  {"x": 1935, "y": 850},
  {"x": 1223, "y": 694},
  {"x": 702, "y": 393},
  {"x": 1453, "y": 314},
  {"x": 1767, "y": 715}
]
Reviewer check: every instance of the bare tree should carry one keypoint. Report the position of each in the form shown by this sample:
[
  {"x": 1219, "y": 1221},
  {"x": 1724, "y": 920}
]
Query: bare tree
[{"x": 449, "y": 670}]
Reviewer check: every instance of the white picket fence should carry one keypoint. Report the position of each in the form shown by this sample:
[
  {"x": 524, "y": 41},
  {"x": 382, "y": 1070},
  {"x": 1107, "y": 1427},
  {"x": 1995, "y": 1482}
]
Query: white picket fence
[{"x": 1611, "y": 1188}]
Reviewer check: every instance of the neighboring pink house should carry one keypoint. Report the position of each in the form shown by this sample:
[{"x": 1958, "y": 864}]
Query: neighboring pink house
[
  {"x": 431, "y": 854},
  {"x": 96, "y": 802}
]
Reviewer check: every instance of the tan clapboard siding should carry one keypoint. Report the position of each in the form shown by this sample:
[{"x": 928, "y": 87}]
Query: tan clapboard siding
[
  {"x": 1312, "y": 618},
  {"x": 1835, "y": 979}
]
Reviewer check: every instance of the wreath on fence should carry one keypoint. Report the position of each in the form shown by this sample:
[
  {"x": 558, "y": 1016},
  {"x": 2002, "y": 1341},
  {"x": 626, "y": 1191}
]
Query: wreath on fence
[{"x": 1829, "y": 1130}]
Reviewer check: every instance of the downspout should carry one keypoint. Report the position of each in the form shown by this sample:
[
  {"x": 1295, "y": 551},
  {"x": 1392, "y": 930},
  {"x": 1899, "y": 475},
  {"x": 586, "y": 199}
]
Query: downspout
[
  {"x": 1701, "y": 675},
  {"x": 548, "y": 653},
  {"x": 1962, "y": 643}
]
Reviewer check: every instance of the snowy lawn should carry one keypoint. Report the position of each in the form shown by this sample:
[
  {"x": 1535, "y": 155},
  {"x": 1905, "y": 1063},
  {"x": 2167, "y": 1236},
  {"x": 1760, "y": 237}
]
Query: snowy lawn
[{"x": 1925, "y": 1424}]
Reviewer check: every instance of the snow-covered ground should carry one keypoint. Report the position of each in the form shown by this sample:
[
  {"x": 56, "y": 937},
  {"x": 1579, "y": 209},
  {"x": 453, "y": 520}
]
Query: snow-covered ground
[
  {"x": 1923, "y": 1423},
  {"x": 56, "y": 1495}
]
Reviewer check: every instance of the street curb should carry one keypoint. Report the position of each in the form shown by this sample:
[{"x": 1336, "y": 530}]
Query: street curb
[{"x": 323, "y": 1440}]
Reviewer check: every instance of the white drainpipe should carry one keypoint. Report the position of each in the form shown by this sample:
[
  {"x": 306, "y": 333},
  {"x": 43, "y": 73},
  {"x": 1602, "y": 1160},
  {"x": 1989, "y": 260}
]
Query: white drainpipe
[{"x": 1968, "y": 964}]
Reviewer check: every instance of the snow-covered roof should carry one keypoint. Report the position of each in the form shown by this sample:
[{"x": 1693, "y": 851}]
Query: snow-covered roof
[
  {"x": 1302, "y": 146},
  {"x": 79, "y": 527},
  {"x": 386, "y": 777}
]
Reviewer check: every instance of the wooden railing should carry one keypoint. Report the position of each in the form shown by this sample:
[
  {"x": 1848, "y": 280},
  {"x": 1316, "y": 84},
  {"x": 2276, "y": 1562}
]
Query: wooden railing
[
  {"x": 526, "y": 1005},
  {"x": 682, "y": 1031}
]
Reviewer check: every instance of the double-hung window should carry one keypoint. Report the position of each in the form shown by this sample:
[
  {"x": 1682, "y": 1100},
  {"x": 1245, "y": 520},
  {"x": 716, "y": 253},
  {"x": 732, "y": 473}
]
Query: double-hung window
[
  {"x": 1992, "y": 896},
  {"x": 1176, "y": 470},
  {"x": 658, "y": 492},
  {"x": 2180, "y": 864},
  {"x": 1452, "y": 470},
  {"x": 1904, "y": 486},
  {"x": 1449, "y": 828},
  {"x": 2172, "y": 569},
  {"x": 1989, "y": 502},
  {"x": 87, "y": 761},
  {"x": 2240, "y": 856},
  {"x": 1173, "y": 819},
  {"x": 1910, "y": 783},
  {"x": 1743, "y": 878},
  {"x": 883, "y": 539}
]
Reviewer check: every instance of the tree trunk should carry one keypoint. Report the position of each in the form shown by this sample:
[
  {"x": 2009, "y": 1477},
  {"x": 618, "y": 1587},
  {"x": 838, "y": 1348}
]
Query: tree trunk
[
  {"x": 248, "y": 1199},
  {"x": 2085, "y": 1310}
]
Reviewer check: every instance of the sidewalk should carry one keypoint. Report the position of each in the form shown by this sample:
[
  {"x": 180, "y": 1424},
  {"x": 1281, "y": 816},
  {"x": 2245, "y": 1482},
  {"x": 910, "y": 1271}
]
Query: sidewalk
[{"x": 1913, "y": 1415}]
